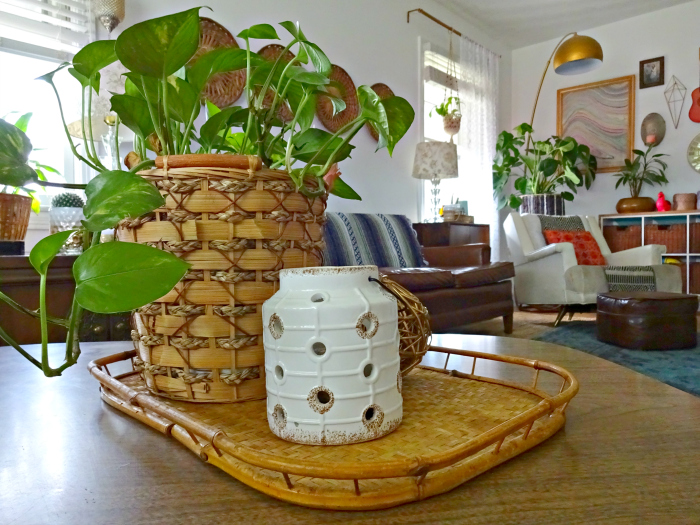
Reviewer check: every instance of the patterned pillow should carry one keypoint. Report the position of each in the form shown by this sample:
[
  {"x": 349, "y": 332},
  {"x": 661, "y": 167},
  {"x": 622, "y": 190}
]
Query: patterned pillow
[
  {"x": 587, "y": 250},
  {"x": 561, "y": 223},
  {"x": 354, "y": 239},
  {"x": 631, "y": 278}
]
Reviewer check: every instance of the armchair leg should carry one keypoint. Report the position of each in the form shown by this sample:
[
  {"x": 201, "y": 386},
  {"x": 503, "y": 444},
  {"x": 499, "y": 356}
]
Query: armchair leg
[
  {"x": 508, "y": 323},
  {"x": 562, "y": 312}
]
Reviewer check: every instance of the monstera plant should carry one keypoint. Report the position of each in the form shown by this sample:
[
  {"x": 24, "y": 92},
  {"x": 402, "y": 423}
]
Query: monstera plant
[
  {"x": 161, "y": 103},
  {"x": 553, "y": 166}
]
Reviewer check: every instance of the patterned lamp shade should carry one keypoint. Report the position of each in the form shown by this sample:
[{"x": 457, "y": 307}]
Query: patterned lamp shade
[{"x": 435, "y": 161}]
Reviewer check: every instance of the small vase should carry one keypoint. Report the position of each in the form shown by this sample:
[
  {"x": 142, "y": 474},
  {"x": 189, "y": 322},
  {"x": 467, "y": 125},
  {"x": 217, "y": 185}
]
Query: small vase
[
  {"x": 543, "y": 204},
  {"x": 63, "y": 219},
  {"x": 331, "y": 342},
  {"x": 451, "y": 123},
  {"x": 636, "y": 205}
]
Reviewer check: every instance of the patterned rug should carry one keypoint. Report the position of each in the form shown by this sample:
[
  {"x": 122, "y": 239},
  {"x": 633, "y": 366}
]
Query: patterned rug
[{"x": 678, "y": 368}]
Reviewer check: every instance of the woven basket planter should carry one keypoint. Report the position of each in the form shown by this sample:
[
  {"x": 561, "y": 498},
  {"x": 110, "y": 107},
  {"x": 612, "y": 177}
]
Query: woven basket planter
[
  {"x": 238, "y": 225},
  {"x": 14, "y": 216}
]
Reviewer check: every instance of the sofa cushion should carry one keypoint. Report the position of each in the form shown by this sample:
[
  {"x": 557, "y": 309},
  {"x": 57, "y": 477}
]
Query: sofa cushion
[
  {"x": 473, "y": 276},
  {"x": 420, "y": 279},
  {"x": 354, "y": 239}
]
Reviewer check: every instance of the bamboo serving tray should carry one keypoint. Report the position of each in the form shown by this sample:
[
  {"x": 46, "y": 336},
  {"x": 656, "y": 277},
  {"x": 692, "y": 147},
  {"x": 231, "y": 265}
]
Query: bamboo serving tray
[{"x": 455, "y": 426}]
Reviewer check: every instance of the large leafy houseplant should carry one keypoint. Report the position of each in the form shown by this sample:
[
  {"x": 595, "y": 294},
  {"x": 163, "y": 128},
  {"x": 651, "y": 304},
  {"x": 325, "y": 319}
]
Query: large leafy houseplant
[
  {"x": 161, "y": 103},
  {"x": 555, "y": 165}
]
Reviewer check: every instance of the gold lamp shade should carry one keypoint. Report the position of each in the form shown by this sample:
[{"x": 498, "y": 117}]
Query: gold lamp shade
[{"x": 578, "y": 54}]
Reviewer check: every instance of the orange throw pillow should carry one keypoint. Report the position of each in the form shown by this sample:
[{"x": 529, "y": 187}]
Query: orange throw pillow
[{"x": 587, "y": 250}]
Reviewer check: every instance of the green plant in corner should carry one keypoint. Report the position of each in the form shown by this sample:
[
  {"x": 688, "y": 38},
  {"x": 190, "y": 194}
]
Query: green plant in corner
[
  {"x": 449, "y": 106},
  {"x": 549, "y": 167},
  {"x": 642, "y": 170}
]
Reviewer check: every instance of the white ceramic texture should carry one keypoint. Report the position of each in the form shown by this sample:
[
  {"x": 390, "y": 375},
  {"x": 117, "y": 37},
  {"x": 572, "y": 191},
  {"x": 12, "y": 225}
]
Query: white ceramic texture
[{"x": 332, "y": 356}]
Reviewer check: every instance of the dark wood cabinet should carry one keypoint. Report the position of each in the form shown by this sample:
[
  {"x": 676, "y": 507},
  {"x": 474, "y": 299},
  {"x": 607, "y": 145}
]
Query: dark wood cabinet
[
  {"x": 451, "y": 233},
  {"x": 19, "y": 280}
]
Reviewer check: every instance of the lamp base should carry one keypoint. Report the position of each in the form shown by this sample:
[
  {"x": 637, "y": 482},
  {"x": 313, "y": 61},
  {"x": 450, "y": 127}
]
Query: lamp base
[{"x": 435, "y": 193}]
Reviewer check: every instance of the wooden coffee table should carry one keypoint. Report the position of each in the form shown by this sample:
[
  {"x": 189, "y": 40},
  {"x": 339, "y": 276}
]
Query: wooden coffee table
[{"x": 630, "y": 453}]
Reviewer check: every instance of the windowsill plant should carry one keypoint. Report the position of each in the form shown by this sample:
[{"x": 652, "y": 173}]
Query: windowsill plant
[{"x": 161, "y": 104}]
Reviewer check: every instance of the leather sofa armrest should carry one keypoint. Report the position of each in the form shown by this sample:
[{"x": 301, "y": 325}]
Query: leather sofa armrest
[{"x": 456, "y": 256}]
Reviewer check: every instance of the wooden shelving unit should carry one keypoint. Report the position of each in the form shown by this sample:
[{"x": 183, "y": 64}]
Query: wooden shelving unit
[{"x": 689, "y": 257}]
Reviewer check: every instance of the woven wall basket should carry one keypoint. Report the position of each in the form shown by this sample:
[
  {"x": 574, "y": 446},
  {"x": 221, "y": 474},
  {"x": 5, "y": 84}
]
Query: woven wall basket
[
  {"x": 14, "y": 216},
  {"x": 238, "y": 225}
]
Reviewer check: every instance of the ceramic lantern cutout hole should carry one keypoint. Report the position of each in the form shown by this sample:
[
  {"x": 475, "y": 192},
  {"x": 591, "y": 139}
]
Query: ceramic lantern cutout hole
[
  {"x": 367, "y": 370},
  {"x": 279, "y": 372},
  {"x": 319, "y": 349},
  {"x": 276, "y": 327},
  {"x": 318, "y": 298},
  {"x": 320, "y": 399},
  {"x": 367, "y": 325},
  {"x": 279, "y": 416}
]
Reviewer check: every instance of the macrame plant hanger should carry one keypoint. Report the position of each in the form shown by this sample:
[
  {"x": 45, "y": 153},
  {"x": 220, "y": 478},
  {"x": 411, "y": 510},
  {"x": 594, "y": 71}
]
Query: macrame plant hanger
[{"x": 451, "y": 121}]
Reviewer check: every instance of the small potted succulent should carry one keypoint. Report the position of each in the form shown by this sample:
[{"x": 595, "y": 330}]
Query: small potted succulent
[
  {"x": 547, "y": 174},
  {"x": 66, "y": 213},
  {"x": 449, "y": 110},
  {"x": 644, "y": 169}
]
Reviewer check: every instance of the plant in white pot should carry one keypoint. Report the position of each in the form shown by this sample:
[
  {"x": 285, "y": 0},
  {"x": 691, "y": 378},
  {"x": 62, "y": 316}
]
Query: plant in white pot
[{"x": 547, "y": 174}]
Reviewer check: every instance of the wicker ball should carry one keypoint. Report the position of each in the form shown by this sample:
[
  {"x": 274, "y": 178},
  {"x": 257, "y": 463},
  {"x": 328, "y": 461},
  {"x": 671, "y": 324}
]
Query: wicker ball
[{"x": 414, "y": 326}]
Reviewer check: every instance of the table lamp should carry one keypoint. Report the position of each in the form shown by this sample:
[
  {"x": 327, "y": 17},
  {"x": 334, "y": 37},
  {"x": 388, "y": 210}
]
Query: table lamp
[{"x": 435, "y": 161}]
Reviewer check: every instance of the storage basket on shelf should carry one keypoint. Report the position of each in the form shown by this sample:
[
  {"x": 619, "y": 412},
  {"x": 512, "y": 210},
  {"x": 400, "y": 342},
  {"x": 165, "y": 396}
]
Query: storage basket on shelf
[
  {"x": 694, "y": 278},
  {"x": 620, "y": 238},
  {"x": 673, "y": 236},
  {"x": 238, "y": 225},
  {"x": 694, "y": 237}
]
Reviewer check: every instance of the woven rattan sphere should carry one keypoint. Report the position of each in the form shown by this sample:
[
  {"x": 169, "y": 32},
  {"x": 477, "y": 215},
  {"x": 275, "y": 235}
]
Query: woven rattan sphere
[{"x": 414, "y": 326}]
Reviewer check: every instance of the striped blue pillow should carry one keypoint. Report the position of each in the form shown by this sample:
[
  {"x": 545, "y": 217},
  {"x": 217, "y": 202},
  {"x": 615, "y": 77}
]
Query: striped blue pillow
[{"x": 354, "y": 239}]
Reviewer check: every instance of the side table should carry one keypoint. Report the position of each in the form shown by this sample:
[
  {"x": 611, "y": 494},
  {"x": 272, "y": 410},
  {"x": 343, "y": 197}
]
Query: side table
[{"x": 451, "y": 233}]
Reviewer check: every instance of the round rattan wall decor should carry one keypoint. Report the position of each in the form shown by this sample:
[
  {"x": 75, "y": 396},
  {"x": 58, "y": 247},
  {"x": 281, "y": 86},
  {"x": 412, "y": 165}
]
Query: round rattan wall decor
[
  {"x": 223, "y": 89},
  {"x": 384, "y": 92},
  {"x": 271, "y": 52},
  {"x": 343, "y": 87}
]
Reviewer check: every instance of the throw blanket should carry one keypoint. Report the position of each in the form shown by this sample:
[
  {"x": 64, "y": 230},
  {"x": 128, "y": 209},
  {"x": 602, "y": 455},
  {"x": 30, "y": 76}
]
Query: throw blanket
[
  {"x": 355, "y": 239},
  {"x": 630, "y": 278}
]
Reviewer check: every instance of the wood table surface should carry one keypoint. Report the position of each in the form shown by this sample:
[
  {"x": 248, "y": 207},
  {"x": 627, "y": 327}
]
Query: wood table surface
[{"x": 630, "y": 453}]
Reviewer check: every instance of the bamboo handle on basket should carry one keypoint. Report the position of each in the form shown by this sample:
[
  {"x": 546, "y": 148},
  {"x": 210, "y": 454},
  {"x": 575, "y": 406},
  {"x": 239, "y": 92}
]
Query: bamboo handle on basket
[{"x": 211, "y": 160}]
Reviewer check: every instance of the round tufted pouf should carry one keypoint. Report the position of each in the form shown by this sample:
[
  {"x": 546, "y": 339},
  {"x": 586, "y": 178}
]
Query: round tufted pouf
[{"x": 648, "y": 320}]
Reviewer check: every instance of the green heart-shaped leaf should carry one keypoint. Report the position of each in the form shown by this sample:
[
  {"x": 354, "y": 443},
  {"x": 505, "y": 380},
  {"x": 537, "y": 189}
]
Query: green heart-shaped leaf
[
  {"x": 94, "y": 57},
  {"x": 259, "y": 31},
  {"x": 122, "y": 276},
  {"x": 46, "y": 249},
  {"x": 182, "y": 100},
  {"x": 220, "y": 60},
  {"x": 14, "y": 143},
  {"x": 16, "y": 174},
  {"x": 342, "y": 190},
  {"x": 116, "y": 195},
  {"x": 134, "y": 114},
  {"x": 230, "y": 117},
  {"x": 160, "y": 46},
  {"x": 94, "y": 81},
  {"x": 308, "y": 143},
  {"x": 399, "y": 115},
  {"x": 23, "y": 122}
]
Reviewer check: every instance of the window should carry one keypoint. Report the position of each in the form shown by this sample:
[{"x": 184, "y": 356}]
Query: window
[{"x": 436, "y": 80}]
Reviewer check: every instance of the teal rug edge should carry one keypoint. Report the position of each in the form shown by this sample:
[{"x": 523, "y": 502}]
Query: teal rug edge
[{"x": 677, "y": 368}]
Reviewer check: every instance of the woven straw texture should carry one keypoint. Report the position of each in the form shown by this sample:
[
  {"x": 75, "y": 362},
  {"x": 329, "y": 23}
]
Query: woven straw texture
[
  {"x": 237, "y": 227},
  {"x": 455, "y": 426},
  {"x": 14, "y": 216}
]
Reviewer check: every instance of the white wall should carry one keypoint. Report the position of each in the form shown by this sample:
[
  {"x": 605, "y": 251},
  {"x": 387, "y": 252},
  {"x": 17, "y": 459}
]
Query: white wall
[
  {"x": 371, "y": 40},
  {"x": 672, "y": 33}
]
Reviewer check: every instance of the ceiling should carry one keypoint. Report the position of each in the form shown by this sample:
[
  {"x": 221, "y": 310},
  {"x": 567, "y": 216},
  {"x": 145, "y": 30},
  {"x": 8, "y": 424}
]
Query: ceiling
[{"x": 522, "y": 23}]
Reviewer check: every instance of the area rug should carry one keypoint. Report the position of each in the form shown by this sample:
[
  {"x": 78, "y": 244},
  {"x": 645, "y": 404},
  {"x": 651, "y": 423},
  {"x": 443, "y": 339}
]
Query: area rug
[{"x": 678, "y": 368}]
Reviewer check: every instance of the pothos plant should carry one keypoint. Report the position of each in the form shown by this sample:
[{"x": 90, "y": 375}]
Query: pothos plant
[
  {"x": 161, "y": 103},
  {"x": 556, "y": 165}
]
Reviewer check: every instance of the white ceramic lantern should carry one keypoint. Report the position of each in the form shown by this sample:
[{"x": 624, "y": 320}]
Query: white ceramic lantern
[{"x": 332, "y": 356}]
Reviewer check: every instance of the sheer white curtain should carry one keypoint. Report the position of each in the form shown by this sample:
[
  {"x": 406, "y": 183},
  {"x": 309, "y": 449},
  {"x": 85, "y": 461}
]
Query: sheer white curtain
[{"x": 478, "y": 93}]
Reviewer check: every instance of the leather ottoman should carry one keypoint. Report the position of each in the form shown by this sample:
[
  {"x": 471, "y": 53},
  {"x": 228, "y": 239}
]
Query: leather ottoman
[{"x": 648, "y": 320}]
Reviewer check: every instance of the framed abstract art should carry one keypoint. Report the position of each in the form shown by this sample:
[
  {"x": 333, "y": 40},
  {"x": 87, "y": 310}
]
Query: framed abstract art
[{"x": 601, "y": 116}]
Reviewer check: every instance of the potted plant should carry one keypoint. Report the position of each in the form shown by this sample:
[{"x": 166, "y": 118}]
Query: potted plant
[
  {"x": 547, "y": 174},
  {"x": 449, "y": 110},
  {"x": 644, "y": 169},
  {"x": 249, "y": 202},
  {"x": 17, "y": 171}
]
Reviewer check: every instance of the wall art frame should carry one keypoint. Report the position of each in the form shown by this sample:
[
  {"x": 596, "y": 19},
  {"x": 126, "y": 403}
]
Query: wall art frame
[
  {"x": 601, "y": 116},
  {"x": 651, "y": 73}
]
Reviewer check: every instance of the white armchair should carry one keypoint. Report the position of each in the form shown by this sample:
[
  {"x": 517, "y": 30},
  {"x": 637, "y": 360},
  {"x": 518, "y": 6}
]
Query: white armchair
[{"x": 549, "y": 274}]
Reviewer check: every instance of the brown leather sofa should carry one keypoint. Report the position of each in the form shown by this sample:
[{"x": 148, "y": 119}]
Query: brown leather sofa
[{"x": 461, "y": 286}]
